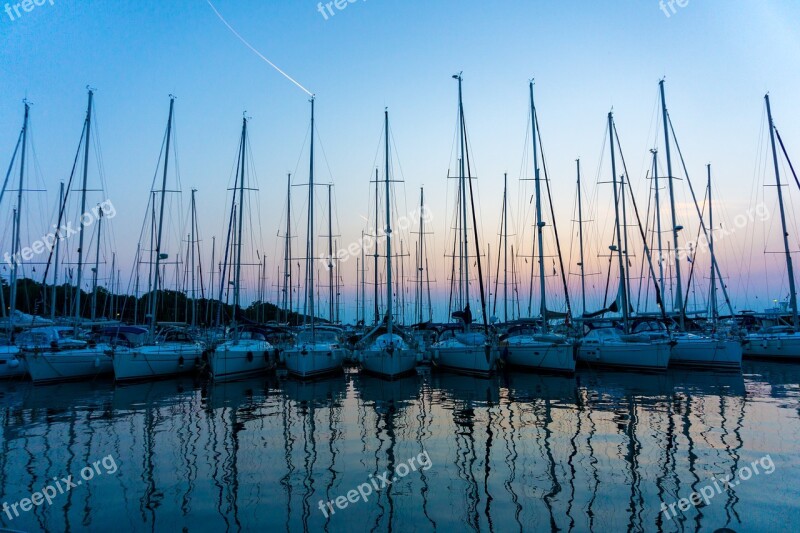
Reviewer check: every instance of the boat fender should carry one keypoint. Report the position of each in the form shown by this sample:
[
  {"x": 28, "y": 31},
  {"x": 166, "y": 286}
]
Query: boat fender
[
  {"x": 180, "y": 361},
  {"x": 14, "y": 363},
  {"x": 96, "y": 362},
  {"x": 249, "y": 357}
]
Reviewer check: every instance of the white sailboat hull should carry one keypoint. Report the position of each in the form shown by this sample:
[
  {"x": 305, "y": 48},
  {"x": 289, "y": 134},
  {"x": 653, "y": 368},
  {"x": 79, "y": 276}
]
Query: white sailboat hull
[
  {"x": 457, "y": 355},
  {"x": 233, "y": 359},
  {"x": 389, "y": 364},
  {"x": 156, "y": 361},
  {"x": 773, "y": 346},
  {"x": 704, "y": 352},
  {"x": 11, "y": 366},
  {"x": 309, "y": 360},
  {"x": 88, "y": 363},
  {"x": 627, "y": 355},
  {"x": 528, "y": 353}
]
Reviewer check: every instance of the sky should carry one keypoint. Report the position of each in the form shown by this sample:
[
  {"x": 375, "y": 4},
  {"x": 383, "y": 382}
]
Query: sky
[{"x": 587, "y": 58}]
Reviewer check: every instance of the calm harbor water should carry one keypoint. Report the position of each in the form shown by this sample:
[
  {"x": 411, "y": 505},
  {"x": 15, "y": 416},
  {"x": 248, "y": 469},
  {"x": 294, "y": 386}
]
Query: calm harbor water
[{"x": 520, "y": 452}]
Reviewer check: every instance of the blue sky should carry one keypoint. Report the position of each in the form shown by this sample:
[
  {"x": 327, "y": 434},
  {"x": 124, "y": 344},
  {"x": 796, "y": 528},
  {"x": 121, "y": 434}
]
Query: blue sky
[{"x": 719, "y": 58}]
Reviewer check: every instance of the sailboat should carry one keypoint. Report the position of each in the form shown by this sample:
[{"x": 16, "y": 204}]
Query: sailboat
[
  {"x": 56, "y": 353},
  {"x": 12, "y": 366},
  {"x": 317, "y": 350},
  {"x": 778, "y": 342},
  {"x": 246, "y": 351},
  {"x": 460, "y": 348},
  {"x": 690, "y": 349},
  {"x": 530, "y": 344},
  {"x": 387, "y": 353},
  {"x": 170, "y": 351},
  {"x": 609, "y": 345}
]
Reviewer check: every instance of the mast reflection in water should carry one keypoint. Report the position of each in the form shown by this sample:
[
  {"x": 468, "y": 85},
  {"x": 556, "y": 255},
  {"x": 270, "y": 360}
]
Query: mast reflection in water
[{"x": 518, "y": 452}]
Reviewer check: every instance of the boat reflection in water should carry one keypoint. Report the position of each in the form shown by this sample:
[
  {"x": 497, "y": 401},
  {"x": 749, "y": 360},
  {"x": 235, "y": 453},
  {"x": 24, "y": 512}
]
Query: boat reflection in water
[{"x": 517, "y": 452}]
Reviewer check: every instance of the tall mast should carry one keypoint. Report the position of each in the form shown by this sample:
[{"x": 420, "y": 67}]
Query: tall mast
[
  {"x": 338, "y": 288},
  {"x": 210, "y": 301},
  {"x": 96, "y": 269},
  {"x": 136, "y": 285},
  {"x": 622, "y": 181},
  {"x": 375, "y": 255},
  {"x": 789, "y": 268},
  {"x": 55, "y": 263},
  {"x": 238, "y": 271},
  {"x": 114, "y": 288},
  {"x": 658, "y": 222},
  {"x": 539, "y": 222},
  {"x": 363, "y": 282},
  {"x": 151, "y": 249},
  {"x": 154, "y": 298},
  {"x": 421, "y": 252},
  {"x": 83, "y": 204},
  {"x": 505, "y": 247},
  {"x": 330, "y": 255},
  {"x": 622, "y": 277},
  {"x": 17, "y": 218},
  {"x": 711, "y": 250},
  {"x": 388, "y": 227},
  {"x": 287, "y": 251},
  {"x": 675, "y": 228},
  {"x": 464, "y": 262},
  {"x": 580, "y": 238},
  {"x": 193, "y": 243},
  {"x": 310, "y": 260},
  {"x": 358, "y": 296}
]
